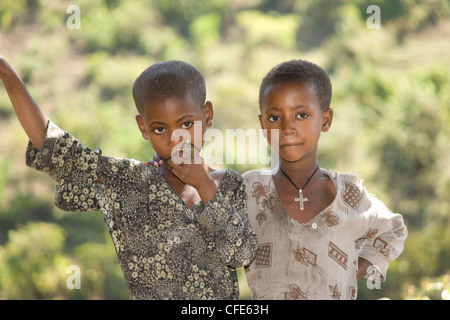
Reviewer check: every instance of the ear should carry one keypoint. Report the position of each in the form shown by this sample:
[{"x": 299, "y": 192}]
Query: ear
[
  {"x": 261, "y": 121},
  {"x": 141, "y": 125},
  {"x": 327, "y": 119},
  {"x": 209, "y": 113}
]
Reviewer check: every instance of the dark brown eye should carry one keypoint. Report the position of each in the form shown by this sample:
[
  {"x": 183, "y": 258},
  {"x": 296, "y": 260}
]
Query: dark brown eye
[
  {"x": 187, "y": 125},
  {"x": 302, "y": 115},
  {"x": 273, "y": 118},
  {"x": 158, "y": 130}
]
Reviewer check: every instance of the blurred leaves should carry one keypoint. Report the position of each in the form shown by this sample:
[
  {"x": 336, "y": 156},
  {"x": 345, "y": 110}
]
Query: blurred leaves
[
  {"x": 391, "y": 101},
  {"x": 32, "y": 262}
]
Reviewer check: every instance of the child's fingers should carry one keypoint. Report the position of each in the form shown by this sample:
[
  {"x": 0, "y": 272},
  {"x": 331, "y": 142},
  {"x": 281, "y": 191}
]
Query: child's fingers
[
  {"x": 159, "y": 163},
  {"x": 178, "y": 173},
  {"x": 176, "y": 165},
  {"x": 154, "y": 163}
]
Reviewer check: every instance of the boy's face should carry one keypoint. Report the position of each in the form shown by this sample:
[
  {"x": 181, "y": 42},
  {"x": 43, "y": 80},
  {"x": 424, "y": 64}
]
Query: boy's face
[
  {"x": 293, "y": 109},
  {"x": 162, "y": 117}
]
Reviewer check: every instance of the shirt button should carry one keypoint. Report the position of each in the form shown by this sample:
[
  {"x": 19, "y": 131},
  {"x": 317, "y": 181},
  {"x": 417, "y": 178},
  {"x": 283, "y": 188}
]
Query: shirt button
[{"x": 314, "y": 225}]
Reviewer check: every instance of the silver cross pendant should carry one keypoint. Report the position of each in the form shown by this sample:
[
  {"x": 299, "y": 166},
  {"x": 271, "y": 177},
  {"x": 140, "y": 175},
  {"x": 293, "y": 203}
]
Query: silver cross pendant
[{"x": 301, "y": 199}]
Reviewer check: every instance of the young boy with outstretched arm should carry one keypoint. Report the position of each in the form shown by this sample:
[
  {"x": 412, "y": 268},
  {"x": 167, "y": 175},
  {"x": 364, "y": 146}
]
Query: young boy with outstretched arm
[
  {"x": 179, "y": 230},
  {"x": 319, "y": 231}
]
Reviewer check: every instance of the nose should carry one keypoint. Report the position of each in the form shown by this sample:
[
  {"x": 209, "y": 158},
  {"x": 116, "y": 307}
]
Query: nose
[
  {"x": 174, "y": 139},
  {"x": 288, "y": 128},
  {"x": 178, "y": 135}
]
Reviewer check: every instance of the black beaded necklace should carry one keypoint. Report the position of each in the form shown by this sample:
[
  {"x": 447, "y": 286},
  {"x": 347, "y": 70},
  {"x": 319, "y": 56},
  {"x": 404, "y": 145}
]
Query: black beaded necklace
[{"x": 300, "y": 198}]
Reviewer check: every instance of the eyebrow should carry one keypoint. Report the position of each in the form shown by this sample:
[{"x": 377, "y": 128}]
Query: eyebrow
[
  {"x": 156, "y": 123},
  {"x": 184, "y": 117},
  {"x": 163, "y": 123},
  {"x": 278, "y": 108}
]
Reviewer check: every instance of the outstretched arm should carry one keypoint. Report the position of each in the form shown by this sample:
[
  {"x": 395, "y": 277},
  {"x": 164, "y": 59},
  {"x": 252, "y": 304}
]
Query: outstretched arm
[{"x": 30, "y": 116}]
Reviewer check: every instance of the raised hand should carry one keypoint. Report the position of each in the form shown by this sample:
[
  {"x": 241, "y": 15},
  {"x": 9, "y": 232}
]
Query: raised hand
[
  {"x": 193, "y": 170},
  {"x": 32, "y": 119},
  {"x": 5, "y": 68}
]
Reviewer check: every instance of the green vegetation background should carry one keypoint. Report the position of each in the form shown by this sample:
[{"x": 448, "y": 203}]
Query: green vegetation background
[{"x": 391, "y": 127}]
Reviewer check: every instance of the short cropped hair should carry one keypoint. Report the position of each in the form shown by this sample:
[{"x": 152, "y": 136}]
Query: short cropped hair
[
  {"x": 301, "y": 72},
  {"x": 168, "y": 79}
]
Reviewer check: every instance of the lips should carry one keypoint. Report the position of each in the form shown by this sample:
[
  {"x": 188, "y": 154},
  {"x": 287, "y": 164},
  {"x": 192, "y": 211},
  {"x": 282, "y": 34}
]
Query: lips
[{"x": 289, "y": 145}]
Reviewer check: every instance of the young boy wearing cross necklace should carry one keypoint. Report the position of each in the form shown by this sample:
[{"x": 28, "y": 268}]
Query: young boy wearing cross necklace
[{"x": 319, "y": 231}]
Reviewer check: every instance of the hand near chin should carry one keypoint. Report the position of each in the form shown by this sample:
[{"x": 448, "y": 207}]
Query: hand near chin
[
  {"x": 5, "y": 68},
  {"x": 155, "y": 162},
  {"x": 193, "y": 171}
]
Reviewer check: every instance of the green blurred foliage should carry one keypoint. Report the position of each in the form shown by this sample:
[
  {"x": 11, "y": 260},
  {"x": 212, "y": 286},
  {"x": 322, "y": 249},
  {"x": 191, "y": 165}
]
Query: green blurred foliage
[
  {"x": 391, "y": 101},
  {"x": 32, "y": 262},
  {"x": 429, "y": 289}
]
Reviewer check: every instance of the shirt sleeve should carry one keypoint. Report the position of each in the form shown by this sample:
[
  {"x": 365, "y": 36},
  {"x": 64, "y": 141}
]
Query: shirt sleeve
[
  {"x": 72, "y": 165},
  {"x": 224, "y": 223},
  {"x": 384, "y": 239}
]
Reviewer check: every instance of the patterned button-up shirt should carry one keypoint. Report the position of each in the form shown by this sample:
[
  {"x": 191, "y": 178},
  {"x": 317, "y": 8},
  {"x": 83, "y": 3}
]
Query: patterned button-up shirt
[{"x": 165, "y": 249}]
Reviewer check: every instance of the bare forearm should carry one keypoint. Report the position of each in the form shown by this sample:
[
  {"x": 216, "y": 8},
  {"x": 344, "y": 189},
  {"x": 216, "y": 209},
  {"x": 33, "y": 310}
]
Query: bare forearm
[{"x": 30, "y": 116}]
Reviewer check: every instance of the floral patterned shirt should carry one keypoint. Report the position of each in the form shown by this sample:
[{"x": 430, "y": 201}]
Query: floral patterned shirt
[
  {"x": 318, "y": 259},
  {"x": 165, "y": 249}
]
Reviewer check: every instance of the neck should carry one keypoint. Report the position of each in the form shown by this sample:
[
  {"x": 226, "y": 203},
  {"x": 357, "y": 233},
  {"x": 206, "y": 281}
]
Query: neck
[{"x": 298, "y": 171}]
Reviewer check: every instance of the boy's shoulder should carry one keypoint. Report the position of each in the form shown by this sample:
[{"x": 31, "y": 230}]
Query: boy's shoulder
[
  {"x": 346, "y": 182},
  {"x": 114, "y": 163},
  {"x": 343, "y": 177},
  {"x": 220, "y": 175},
  {"x": 253, "y": 175},
  {"x": 229, "y": 181},
  {"x": 352, "y": 192},
  {"x": 257, "y": 179}
]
